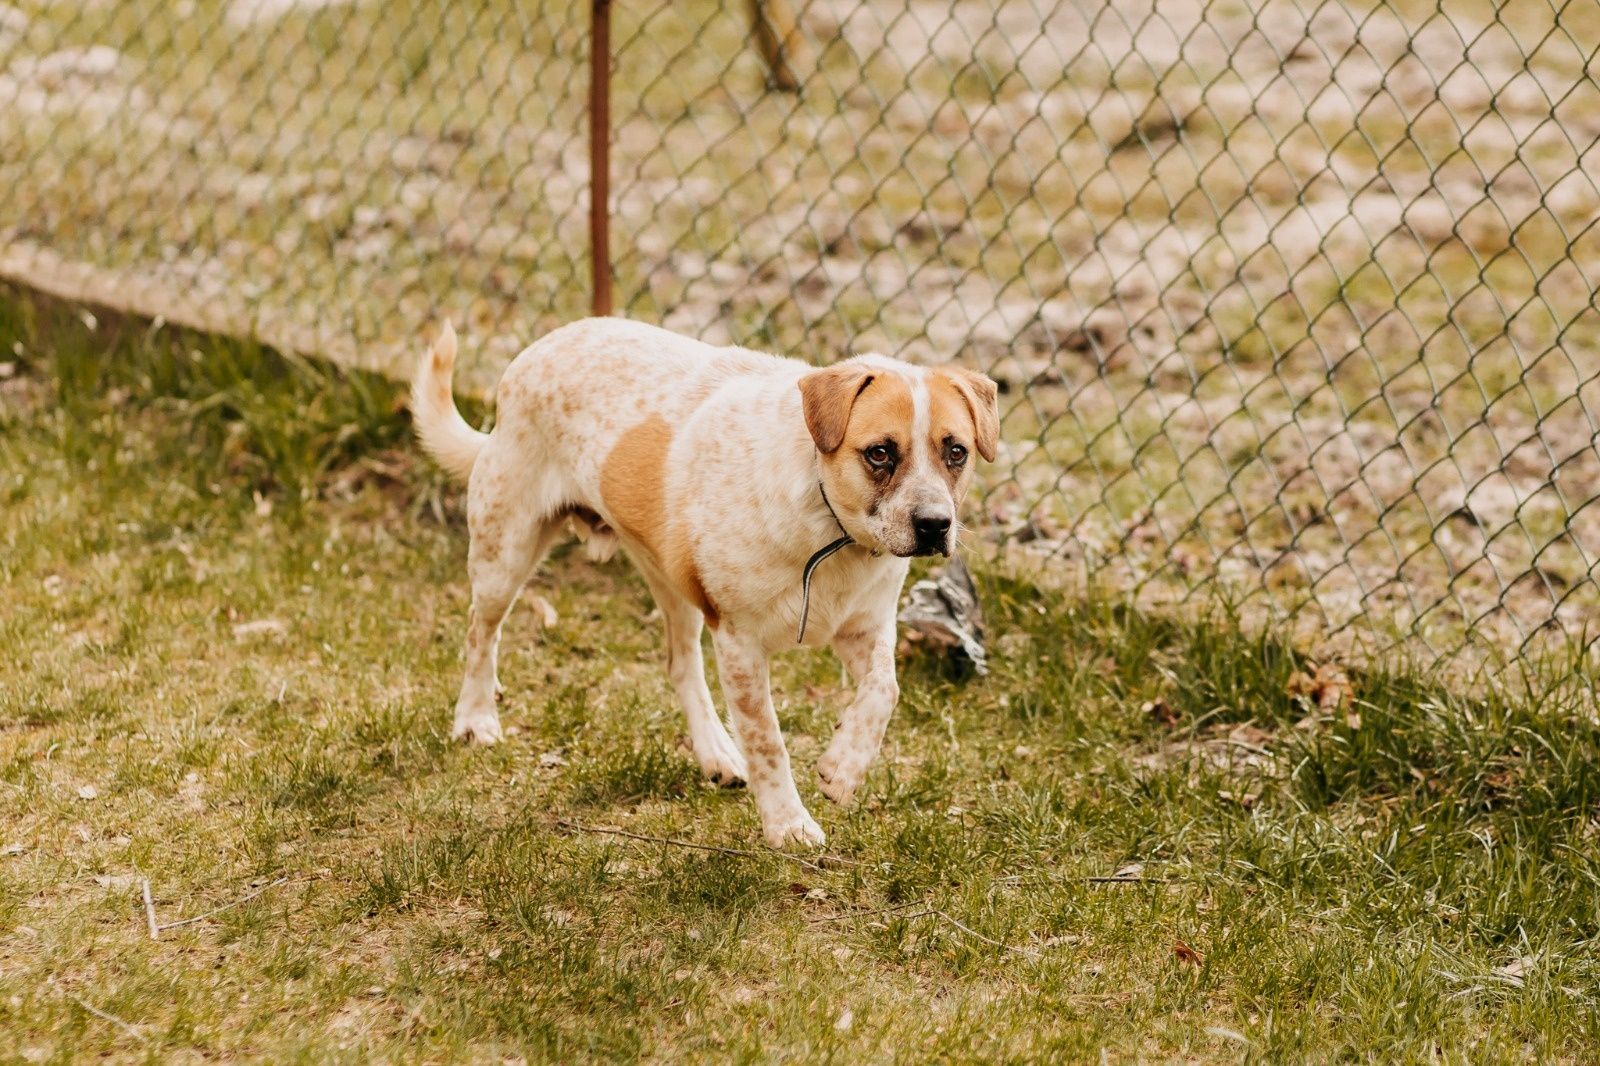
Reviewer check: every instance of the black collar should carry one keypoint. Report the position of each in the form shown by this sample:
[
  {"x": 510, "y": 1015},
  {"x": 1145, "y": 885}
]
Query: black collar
[{"x": 812, "y": 563}]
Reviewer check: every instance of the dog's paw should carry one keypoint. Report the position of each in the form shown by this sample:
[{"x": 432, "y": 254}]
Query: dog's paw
[
  {"x": 838, "y": 779},
  {"x": 723, "y": 764},
  {"x": 478, "y": 729},
  {"x": 801, "y": 830}
]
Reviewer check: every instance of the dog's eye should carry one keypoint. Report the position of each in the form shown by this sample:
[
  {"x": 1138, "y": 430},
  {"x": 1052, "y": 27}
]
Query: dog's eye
[
  {"x": 955, "y": 454},
  {"x": 880, "y": 456}
]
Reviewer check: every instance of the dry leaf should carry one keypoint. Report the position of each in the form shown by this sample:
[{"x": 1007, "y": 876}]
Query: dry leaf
[
  {"x": 1247, "y": 800},
  {"x": 1161, "y": 711},
  {"x": 12, "y": 849},
  {"x": 1327, "y": 687},
  {"x": 1186, "y": 953},
  {"x": 1514, "y": 971},
  {"x": 846, "y": 1020},
  {"x": 88, "y": 792},
  {"x": 1251, "y": 734},
  {"x": 1501, "y": 781}
]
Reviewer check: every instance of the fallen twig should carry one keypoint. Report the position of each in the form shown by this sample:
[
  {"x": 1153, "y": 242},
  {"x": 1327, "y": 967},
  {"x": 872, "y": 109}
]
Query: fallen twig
[
  {"x": 1102, "y": 879},
  {"x": 900, "y": 911},
  {"x": 675, "y": 842},
  {"x": 246, "y": 898},
  {"x": 866, "y": 912},
  {"x": 1002, "y": 945},
  {"x": 150, "y": 910},
  {"x": 128, "y": 1027}
]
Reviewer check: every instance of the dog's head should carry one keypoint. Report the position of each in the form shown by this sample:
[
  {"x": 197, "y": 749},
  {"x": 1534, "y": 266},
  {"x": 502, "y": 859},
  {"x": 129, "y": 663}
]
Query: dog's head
[{"x": 896, "y": 443}]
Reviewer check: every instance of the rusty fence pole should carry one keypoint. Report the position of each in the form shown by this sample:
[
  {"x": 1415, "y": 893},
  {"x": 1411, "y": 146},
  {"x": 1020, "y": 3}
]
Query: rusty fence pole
[
  {"x": 600, "y": 155},
  {"x": 778, "y": 39}
]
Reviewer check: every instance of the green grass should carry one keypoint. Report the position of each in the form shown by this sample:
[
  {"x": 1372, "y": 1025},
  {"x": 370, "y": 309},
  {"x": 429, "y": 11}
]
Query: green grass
[{"x": 1413, "y": 877}]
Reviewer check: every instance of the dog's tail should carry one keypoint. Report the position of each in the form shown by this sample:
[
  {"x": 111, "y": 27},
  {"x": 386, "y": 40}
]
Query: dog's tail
[{"x": 445, "y": 434}]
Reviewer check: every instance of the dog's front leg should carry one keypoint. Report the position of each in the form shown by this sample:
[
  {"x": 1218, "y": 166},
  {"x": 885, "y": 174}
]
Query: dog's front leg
[
  {"x": 742, "y": 664},
  {"x": 867, "y": 651}
]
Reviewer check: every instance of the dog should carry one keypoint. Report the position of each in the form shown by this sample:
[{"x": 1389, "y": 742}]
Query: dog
[{"x": 773, "y": 501}]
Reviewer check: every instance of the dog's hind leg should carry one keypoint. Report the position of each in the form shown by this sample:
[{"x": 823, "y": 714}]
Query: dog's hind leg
[
  {"x": 499, "y": 562},
  {"x": 719, "y": 758}
]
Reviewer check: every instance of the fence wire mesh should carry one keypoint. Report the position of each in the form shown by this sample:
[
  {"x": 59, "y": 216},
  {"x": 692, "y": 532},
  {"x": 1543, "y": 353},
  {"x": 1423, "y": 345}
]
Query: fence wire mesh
[{"x": 1289, "y": 299}]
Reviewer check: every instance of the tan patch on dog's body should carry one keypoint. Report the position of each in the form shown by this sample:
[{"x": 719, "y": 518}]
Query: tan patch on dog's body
[
  {"x": 633, "y": 484},
  {"x": 883, "y": 411}
]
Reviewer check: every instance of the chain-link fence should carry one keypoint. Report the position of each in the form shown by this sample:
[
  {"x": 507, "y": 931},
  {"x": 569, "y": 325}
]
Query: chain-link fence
[{"x": 1289, "y": 299}]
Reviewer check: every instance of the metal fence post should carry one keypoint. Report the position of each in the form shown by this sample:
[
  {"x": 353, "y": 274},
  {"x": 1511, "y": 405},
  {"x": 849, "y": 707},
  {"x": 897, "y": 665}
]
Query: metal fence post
[
  {"x": 779, "y": 41},
  {"x": 600, "y": 155}
]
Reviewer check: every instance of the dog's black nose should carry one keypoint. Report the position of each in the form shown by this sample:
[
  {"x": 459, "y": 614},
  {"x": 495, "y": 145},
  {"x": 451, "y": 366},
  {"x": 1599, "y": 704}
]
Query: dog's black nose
[{"x": 932, "y": 531}]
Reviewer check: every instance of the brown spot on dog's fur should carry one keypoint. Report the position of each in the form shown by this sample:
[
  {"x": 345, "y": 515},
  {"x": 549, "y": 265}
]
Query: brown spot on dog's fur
[{"x": 633, "y": 485}]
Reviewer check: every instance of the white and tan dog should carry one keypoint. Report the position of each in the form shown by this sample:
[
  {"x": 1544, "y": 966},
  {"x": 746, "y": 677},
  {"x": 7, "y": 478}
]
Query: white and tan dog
[{"x": 720, "y": 471}]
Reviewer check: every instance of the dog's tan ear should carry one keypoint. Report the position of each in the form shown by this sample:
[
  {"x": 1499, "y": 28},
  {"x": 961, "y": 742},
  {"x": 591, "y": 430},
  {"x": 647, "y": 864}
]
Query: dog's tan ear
[
  {"x": 983, "y": 401},
  {"x": 827, "y": 397}
]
